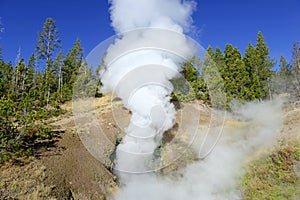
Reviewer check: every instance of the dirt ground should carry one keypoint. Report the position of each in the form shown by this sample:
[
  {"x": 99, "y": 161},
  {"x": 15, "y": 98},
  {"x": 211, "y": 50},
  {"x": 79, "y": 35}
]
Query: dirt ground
[
  {"x": 65, "y": 169},
  {"x": 71, "y": 169}
]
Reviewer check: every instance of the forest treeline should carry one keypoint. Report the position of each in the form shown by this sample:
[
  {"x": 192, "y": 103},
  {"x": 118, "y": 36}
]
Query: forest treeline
[
  {"x": 224, "y": 77},
  {"x": 32, "y": 91}
]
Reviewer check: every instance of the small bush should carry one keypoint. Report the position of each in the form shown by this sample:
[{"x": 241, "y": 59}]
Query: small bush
[{"x": 19, "y": 131}]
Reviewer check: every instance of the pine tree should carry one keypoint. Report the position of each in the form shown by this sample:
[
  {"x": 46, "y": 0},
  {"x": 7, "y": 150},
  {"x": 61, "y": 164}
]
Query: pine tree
[
  {"x": 98, "y": 76},
  {"x": 6, "y": 71},
  {"x": 49, "y": 82},
  {"x": 213, "y": 90},
  {"x": 236, "y": 77},
  {"x": 264, "y": 65},
  {"x": 295, "y": 68},
  {"x": 251, "y": 61},
  {"x": 190, "y": 72},
  {"x": 39, "y": 88},
  {"x": 20, "y": 78},
  {"x": 85, "y": 85},
  {"x": 283, "y": 77},
  {"x": 220, "y": 61},
  {"x": 71, "y": 64},
  {"x": 210, "y": 52},
  {"x": 58, "y": 65},
  {"x": 187, "y": 87},
  {"x": 31, "y": 76},
  {"x": 296, "y": 58},
  {"x": 48, "y": 43},
  {"x": 284, "y": 70},
  {"x": 48, "y": 40}
]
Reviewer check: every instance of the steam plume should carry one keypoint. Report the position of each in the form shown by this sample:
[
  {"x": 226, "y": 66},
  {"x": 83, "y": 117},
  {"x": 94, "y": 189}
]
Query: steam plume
[
  {"x": 140, "y": 64},
  {"x": 217, "y": 176},
  {"x": 148, "y": 53}
]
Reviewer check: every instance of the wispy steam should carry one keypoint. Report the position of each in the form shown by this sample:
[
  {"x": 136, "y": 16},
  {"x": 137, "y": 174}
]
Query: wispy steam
[
  {"x": 146, "y": 55},
  {"x": 216, "y": 177}
]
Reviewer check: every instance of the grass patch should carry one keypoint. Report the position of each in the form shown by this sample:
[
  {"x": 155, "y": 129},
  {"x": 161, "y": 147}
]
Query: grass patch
[{"x": 274, "y": 176}]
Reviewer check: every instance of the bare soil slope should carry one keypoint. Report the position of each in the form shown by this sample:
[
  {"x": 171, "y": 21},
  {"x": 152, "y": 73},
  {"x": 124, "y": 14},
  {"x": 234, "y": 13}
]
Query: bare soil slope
[
  {"x": 63, "y": 170},
  {"x": 67, "y": 170}
]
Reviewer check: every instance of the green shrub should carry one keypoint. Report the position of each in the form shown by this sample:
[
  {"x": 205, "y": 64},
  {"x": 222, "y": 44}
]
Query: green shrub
[{"x": 19, "y": 131}]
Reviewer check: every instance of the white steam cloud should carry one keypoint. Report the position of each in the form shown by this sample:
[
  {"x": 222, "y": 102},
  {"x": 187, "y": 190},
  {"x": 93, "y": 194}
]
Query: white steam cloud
[
  {"x": 216, "y": 177},
  {"x": 139, "y": 66},
  {"x": 127, "y": 15}
]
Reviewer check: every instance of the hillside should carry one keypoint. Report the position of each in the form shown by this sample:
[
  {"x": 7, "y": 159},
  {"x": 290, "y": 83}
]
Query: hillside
[{"x": 66, "y": 170}]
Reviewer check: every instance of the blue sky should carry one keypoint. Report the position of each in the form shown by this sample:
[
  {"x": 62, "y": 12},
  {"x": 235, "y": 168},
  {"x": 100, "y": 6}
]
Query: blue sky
[{"x": 217, "y": 23}]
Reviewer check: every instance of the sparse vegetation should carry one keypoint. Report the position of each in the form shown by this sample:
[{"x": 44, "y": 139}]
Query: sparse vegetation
[
  {"x": 34, "y": 91},
  {"x": 24, "y": 182},
  {"x": 274, "y": 176}
]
